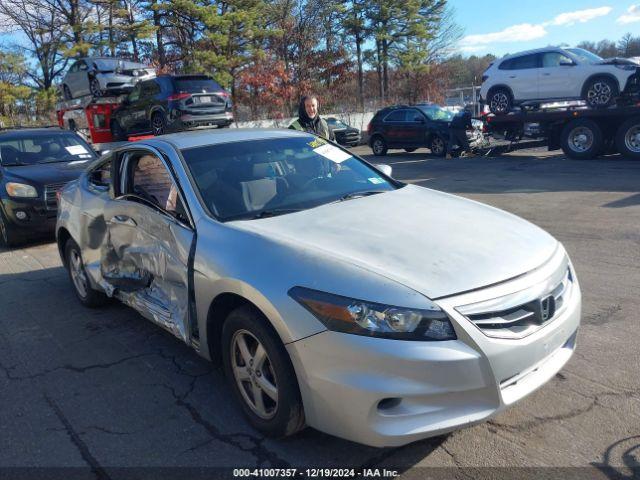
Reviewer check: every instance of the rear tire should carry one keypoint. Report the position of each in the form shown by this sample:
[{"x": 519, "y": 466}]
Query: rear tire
[
  {"x": 256, "y": 378},
  {"x": 379, "y": 146},
  {"x": 500, "y": 101},
  {"x": 628, "y": 138},
  {"x": 581, "y": 139},
  {"x": 7, "y": 235},
  {"x": 600, "y": 92},
  {"x": 77, "y": 274}
]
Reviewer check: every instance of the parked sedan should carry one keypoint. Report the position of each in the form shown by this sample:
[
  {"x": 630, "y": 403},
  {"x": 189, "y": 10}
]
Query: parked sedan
[
  {"x": 553, "y": 73},
  {"x": 334, "y": 295},
  {"x": 34, "y": 165},
  {"x": 99, "y": 76},
  {"x": 410, "y": 128},
  {"x": 345, "y": 134},
  {"x": 172, "y": 103}
]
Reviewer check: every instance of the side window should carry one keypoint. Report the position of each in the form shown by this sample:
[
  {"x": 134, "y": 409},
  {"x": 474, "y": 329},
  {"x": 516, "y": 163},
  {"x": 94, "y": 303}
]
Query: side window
[
  {"x": 74, "y": 67},
  {"x": 82, "y": 66},
  {"x": 554, "y": 59},
  {"x": 520, "y": 63},
  {"x": 101, "y": 175},
  {"x": 150, "y": 180},
  {"x": 150, "y": 88},
  {"x": 415, "y": 116},
  {"x": 396, "y": 116}
]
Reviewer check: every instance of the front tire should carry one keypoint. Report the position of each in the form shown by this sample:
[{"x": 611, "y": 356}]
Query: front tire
[
  {"x": 581, "y": 139},
  {"x": 438, "y": 146},
  {"x": 379, "y": 146},
  {"x": 500, "y": 101},
  {"x": 158, "y": 124},
  {"x": 628, "y": 138},
  {"x": 7, "y": 234},
  {"x": 600, "y": 92},
  {"x": 94, "y": 88},
  {"x": 75, "y": 266},
  {"x": 260, "y": 374}
]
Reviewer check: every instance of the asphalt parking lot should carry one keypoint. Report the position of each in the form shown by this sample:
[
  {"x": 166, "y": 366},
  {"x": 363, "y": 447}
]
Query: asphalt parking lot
[{"x": 106, "y": 389}]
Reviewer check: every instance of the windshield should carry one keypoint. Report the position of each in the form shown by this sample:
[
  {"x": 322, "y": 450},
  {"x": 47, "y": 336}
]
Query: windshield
[
  {"x": 434, "y": 112},
  {"x": 30, "y": 148},
  {"x": 113, "y": 63},
  {"x": 585, "y": 55},
  {"x": 335, "y": 123},
  {"x": 245, "y": 180}
]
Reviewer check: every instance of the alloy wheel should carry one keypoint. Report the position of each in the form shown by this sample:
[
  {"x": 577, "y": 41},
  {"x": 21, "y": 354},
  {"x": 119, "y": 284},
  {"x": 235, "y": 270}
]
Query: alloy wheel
[
  {"x": 378, "y": 146},
  {"x": 437, "y": 146},
  {"x": 157, "y": 124},
  {"x": 599, "y": 93},
  {"x": 499, "y": 102},
  {"x": 632, "y": 139},
  {"x": 254, "y": 374},
  {"x": 94, "y": 87},
  {"x": 580, "y": 139},
  {"x": 78, "y": 275}
]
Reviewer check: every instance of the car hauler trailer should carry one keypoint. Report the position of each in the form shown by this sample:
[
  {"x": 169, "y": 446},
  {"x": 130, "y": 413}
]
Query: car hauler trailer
[{"x": 580, "y": 131}]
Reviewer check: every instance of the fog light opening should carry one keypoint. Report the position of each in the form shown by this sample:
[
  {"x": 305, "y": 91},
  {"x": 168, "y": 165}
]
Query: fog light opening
[
  {"x": 388, "y": 403},
  {"x": 20, "y": 215}
]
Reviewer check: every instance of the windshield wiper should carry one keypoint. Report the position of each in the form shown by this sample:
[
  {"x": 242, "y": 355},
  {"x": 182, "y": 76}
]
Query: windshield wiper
[
  {"x": 364, "y": 193},
  {"x": 273, "y": 212},
  {"x": 14, "y": 164}
]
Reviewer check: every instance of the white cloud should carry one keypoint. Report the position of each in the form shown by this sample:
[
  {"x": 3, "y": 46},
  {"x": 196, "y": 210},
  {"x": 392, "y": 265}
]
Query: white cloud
[
  {"x": 632, "y": 15},
  {"x": 515, "y": 33},
  {"x": 579, "y": 16}
]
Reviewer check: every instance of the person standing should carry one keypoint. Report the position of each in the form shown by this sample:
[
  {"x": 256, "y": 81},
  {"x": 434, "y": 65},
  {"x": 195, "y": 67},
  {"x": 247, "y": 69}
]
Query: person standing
[{"x": 309, "y": 120}]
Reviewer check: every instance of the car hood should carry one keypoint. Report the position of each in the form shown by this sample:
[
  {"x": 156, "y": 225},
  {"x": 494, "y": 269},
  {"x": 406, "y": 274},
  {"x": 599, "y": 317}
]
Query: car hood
[
  {"x": 435, "y": 243},
  {"x": 45, "y": 173},
  {"x": 618, "y": 61}
]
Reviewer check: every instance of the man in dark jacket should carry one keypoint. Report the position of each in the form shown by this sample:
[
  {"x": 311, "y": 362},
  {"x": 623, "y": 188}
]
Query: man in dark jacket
[
  {"x": 309, "y": 120},
  {"x": 458, "y": 132}
]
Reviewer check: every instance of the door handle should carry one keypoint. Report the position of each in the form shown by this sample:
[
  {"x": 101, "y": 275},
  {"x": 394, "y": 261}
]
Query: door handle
[
  {"x": 124, "y": 220},
  {"x": 512, "y": 76},
  {"x": 546, "y": 74}
]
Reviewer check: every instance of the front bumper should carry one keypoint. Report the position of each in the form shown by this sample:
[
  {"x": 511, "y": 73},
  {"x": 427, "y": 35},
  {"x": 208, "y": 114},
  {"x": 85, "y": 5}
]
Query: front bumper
[
  {"x": 387, "y": 393},
  {"x": 39, "y": 219}
]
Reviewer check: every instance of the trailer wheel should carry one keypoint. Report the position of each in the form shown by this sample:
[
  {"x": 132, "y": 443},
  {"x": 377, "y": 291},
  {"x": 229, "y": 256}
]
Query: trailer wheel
[
  {"x": 628, "y": 138},
  {"x": 581, "y": 139}
]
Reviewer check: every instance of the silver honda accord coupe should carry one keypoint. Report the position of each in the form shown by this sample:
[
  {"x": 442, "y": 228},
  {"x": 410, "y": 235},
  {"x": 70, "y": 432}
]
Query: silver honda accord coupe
[{"x": 334, "y": 295}]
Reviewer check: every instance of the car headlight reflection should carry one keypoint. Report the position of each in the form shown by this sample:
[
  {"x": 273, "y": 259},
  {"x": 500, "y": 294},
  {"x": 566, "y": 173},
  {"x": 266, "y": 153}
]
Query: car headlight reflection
[
  {"x": 350, "y": 315},
  {"x": 21, "y": 190}
]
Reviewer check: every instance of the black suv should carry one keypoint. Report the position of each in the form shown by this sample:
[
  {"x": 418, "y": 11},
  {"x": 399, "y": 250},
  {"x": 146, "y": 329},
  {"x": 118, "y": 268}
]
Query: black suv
[
  {"x": 35, "y": 163},
  {"x": 410, "y": 127},
  {"x": 171, "y": 103}
]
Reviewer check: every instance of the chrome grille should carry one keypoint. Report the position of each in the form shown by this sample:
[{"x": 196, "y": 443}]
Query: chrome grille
[
  {"x": 523, "y": 318},
  {"x": 50, "y": 191}
]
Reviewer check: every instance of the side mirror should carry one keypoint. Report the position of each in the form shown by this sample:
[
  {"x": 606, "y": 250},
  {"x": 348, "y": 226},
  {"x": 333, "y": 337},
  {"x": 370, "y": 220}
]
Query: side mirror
[{"x": 384, "y": 168}]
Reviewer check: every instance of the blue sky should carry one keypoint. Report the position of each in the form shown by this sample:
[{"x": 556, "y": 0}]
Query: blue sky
[{"x": 508, "y": 26}]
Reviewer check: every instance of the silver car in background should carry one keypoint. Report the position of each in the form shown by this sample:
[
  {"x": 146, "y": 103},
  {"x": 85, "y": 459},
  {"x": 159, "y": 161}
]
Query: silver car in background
[
  {"x": 334, "y": 295},
  {"x": 99, "y": 76}
]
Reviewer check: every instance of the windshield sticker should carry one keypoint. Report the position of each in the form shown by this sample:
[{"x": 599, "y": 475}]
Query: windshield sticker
[
  {"x": 76, "y": 149},
  {"x": 376, "y": 181},
  {"x": 332, "y": 153},
  {"x": 318, "y": 142}
]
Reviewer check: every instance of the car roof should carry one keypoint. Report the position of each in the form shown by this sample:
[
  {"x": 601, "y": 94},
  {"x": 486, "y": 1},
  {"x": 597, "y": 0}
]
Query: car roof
[
  {"x": 201, "y": 138},
  {"x": 529, "y": 52},
  {"x": 27, "y": 131}
]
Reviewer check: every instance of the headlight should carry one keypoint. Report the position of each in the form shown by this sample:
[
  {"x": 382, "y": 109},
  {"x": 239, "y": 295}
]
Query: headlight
[
  {"x": 21, "y": 190},
  {"x": 359, "y": 317},
  {"x": 626, "y": 67}
]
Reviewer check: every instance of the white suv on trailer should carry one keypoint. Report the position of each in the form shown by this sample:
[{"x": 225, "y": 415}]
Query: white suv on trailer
[{"x": 551, "y": 73}]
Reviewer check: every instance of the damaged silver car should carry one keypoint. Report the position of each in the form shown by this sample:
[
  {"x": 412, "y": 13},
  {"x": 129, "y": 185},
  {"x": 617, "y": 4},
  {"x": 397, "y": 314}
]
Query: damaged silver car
[
  {"x": 334, "y": 295},
  {"x": 101, "y": 76}
]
